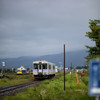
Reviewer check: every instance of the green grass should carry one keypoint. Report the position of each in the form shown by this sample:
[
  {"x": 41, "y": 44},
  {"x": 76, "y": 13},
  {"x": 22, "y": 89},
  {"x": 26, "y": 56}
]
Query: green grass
[
  {"x": 15, "y": 79},
  {"x": 53, "y": 90},
  {"x": 19, "y": 76}
]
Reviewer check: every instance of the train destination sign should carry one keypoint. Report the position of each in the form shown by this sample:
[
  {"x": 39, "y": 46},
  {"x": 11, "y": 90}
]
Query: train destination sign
[{"x": 94, "y": 82}]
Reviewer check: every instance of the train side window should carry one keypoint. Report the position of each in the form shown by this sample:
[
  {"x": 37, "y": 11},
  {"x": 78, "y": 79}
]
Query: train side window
[
  {"x": 35, "y": 66},
  {"x": 53, "y": 67},
  {"x": 44, "y": 66},
  {"x": 49, "y": 66}
]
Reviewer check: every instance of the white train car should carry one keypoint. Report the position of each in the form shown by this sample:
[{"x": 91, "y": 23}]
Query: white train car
[{"x": 43, "y": 69}]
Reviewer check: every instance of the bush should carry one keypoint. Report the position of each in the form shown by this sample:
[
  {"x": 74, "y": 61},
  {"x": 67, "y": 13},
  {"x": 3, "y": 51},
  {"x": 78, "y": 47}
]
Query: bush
[
  {"x": 4, "y": 80},
  {"x": 85, "y": 80}
]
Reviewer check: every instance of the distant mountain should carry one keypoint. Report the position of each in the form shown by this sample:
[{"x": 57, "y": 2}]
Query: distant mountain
[{"x": 76, "y": 57}]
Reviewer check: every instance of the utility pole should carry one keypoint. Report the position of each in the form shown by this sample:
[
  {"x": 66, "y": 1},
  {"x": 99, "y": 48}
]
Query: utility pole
[{"x": 64, "y": 67}]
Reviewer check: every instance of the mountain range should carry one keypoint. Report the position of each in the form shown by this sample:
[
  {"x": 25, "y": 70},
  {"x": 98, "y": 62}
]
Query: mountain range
[{"x": 74, "y": 57}]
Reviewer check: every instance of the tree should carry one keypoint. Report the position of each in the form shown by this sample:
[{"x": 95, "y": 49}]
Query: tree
[
  {"x": 78, "y": 67},
  {"x": 94, "y": 35}
]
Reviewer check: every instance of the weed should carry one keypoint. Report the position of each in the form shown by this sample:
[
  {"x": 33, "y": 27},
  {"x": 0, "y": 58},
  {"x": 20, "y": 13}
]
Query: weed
[
  {"x": 4, "y": 80},
  {"x": 53, "y": 90}
]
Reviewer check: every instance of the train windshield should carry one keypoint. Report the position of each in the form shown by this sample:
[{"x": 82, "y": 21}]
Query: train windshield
[
  {"x": 41, "y": 66},
  {"x": 44, "y": 66},
  {"x": 35, "y": 66}
]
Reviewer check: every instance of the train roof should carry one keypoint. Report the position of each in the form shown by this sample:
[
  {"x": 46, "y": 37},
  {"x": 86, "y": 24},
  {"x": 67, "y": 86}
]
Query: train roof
[{"x": 42, "y": 61}]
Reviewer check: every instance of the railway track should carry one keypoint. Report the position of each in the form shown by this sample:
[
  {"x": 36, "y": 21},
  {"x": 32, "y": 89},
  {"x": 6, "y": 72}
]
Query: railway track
[{"x": 11, "y": 90}]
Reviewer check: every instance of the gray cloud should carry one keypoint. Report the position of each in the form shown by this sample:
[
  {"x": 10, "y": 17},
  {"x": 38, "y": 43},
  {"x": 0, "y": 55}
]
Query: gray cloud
[{"x": 35, "y": 27}]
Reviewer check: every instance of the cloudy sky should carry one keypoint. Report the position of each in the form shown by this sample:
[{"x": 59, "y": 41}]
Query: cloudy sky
[{"x": 41, "y": 27}]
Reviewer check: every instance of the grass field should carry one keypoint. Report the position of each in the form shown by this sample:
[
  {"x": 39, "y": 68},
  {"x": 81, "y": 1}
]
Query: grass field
[
  {"x": 53, "y": 90},
  {"x": 15, "y": 79}
]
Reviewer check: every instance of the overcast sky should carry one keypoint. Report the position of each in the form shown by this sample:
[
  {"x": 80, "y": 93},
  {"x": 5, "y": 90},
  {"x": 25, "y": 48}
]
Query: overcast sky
[{"x": 41, "y": 27}]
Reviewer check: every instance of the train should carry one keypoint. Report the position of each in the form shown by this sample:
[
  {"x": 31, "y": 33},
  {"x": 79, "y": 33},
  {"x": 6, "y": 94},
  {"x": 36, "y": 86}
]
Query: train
[{"x": 43, "y": 69}]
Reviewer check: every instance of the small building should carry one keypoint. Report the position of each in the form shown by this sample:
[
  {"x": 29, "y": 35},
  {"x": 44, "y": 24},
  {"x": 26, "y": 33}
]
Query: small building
[
  {"x": 60, "y": 68},
  {"x": 22, "y": 69},
  {"x": 81, "y": 70},
  {"x": 66, "y": 68},
  {"x": 56, "y": 68}
]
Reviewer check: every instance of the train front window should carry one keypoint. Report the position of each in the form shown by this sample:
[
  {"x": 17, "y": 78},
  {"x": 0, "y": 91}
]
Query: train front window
[
  {"x": 35, "y": 66},
  {"x": 44, "y": 66}
]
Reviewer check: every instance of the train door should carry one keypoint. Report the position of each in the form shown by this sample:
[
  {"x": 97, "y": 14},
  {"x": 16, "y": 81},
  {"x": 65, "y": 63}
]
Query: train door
[
  {"x": 45, "y": 70},
  {"x": 40, "y": 68},
  {"x": 35, "y": 69}
]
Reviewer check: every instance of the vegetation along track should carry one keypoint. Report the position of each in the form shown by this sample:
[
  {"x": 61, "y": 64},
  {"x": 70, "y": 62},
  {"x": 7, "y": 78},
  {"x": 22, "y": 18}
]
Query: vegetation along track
[{"x": 11, "y": 90}]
